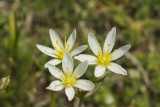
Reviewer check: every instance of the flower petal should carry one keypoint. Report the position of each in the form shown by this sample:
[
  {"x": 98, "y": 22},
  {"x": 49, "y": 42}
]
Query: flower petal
[
  {"x": 53, "y": 70},
  {"x": 71, "y": 40},
  {"x": 70, "y": 92},
  {"x": 56, "y": 41},
  {"x": 93, "y": 43},
  {"x": 55, "y": 86},
  {"x": 79, "y": 50},
  {"x": 85, "y": 85},
  {"x": 82, "y": 57},
  {"x": 99, "y": 71},
  {"x": 67, "y": 63},
  {"x": 117, "y": 69},
  {"x": 4, "y": 82},
  {"x": 120, "y": 52},
  {"x": 110, "y": 40},
  {"x": 53, "y": 62},
  {"x": 81, "y": 69},
  {"x": 46, "y": 50}
]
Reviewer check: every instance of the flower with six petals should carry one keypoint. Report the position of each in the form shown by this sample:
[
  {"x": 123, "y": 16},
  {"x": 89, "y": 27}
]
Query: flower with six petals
[
  {"x": 68, "y": 78},
  {"x": 104, "y": 58},
  {"x": 59, "y": 49}
]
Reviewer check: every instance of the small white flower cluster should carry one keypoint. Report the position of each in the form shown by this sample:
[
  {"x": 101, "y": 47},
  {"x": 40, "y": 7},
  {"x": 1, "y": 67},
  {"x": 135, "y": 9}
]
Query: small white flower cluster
[{"x": 69, "y": 77}]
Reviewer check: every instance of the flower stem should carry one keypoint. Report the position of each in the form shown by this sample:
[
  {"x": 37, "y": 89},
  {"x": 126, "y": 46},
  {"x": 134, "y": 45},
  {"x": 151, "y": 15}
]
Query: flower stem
[{"x": 80, "y": 102}]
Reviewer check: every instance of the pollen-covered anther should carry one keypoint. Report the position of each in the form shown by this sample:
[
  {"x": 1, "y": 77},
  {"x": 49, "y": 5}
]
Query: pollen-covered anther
[
  {"x": 57, "y": 41},
  {"x": 98, "y": 43},
  {"x": 108, "y": 44},
  {"x": 67, "y": 47}
]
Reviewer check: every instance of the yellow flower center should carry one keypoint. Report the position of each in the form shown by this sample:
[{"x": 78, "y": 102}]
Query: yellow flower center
[
  {"x": 68, "y": 80},
  {"x": 59, "y": 53},
  {"x": 104, "y": 59}
]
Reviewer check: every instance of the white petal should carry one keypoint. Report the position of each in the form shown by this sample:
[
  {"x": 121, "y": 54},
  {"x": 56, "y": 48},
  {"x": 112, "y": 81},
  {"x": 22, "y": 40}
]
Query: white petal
[
  {"x": 67, "y": 63},
  {"x": 120, "y": 52},
  {"x": 85, "y": 85},
  {"x": 93, "y": 43},
  {"x": 46, "y": 50},
  {"x": 117, "y": 69},
  {"x": 110, "y": 40},
  {"x": 79, "y": 50},
  {"x": 4, "y": 82},
  {"x": 70, "y": 92},
  {"x": 82, "y": 57},
  {"x": 55, "y": 86},
  {"x": 53, "y": 70},
  {"x": 55, "y": 38},
  {"x": 71, "y": 40},
  {"x": 54, "y": 62},
  {"x": 81, "y": 69},
  {"x": 99, "y": 71}
]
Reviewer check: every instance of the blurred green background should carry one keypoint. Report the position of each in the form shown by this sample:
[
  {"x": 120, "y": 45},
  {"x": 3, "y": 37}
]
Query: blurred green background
[{"x": 24, "y": 23}]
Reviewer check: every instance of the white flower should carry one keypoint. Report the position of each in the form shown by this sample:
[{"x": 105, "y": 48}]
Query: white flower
[
  {"x": 59, "y": 49},
  {"x": 4, "y": 82},
  {"x": 69, "y": 79},
  {"x": 104, "y": 59}
]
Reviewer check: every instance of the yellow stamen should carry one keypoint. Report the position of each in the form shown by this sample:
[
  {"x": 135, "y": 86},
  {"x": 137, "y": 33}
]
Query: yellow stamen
[
  {"x": 69, "y": 79},
  {"x": 67, "y": 47},
  {"x": 52, "y": 43},
  {"x": 57, "y": 41},
  {"x": 114, "y": 50},
  {"x": 104, "y": 59},
  {"x": 60, "y": 50},
  {"x": 98, "y": 43},
  {"x": 108, "y": 44}
]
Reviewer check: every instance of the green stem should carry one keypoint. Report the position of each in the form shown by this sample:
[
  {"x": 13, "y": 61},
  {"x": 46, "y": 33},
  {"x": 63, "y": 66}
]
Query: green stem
[
  {"x": 53, "y": 100},
  {"x": 80, "y": 102}
]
